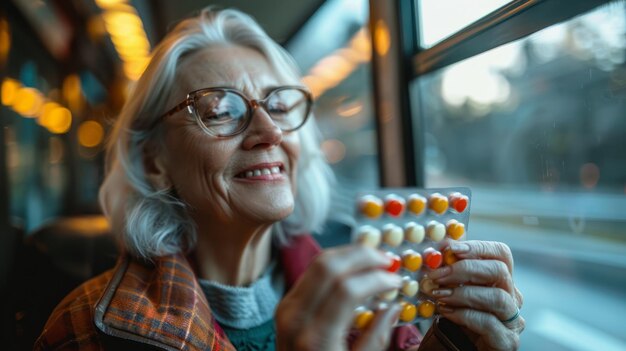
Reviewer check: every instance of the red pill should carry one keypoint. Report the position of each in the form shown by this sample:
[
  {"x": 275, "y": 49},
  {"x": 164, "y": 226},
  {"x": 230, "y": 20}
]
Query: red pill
[
  {"x": 433, "y": 258},
  {"x": 458, "y": 201},
  {"x": 394, "y": 205},
  {"x": 395, "y": 263}
]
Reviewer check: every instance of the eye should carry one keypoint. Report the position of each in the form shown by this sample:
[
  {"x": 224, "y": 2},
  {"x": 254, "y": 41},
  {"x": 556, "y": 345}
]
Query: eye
[{"x": 216, "y": 116}]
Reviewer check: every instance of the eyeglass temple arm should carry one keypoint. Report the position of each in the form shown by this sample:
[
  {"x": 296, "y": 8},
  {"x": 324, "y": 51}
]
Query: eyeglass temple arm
[{"x": 186, "y": 103}]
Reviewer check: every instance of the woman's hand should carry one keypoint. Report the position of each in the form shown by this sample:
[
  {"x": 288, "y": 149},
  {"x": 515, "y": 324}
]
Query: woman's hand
[
  {"x": 478, "y": 293},
  {"x": 318, "y": 311}
]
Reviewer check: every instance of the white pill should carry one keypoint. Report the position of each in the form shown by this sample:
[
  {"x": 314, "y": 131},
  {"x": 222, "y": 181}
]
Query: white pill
[
  {"x": 389, "y": 295},
  {"x": 409, "y": 287},
  {"x": 392, "y": 235},
  {"x": 369, "y": 236},
  {"x": 435, "y": 231},
  {"x": 414, "y": 232}
]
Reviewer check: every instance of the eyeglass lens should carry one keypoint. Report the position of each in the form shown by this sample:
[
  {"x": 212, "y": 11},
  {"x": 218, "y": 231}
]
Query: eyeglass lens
[{"x": 226, "y": 112}]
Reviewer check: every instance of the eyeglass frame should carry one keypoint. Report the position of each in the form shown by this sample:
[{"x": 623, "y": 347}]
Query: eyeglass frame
[{"x": 251, "y": 106}]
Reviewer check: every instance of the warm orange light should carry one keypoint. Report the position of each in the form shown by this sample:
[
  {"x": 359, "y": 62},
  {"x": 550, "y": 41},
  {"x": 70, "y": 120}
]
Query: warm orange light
[
  {"x": 27, "y": 102},
  {"x": 60, "y": 120},
  {"x": 90, "y": 134},
  {"x": 108, "y": 3},
  {"x": 128, "y": 36},
  {"x": 349, "y": 110},
  {"x": 5, "y": 39},
  {"x": 45, "y": 116},
  {"x": 71, "y": 91},
  {"x": 334, "y": 150},
  {"x": 382, "y": 39},
  {"x": 10, "y": 88}
]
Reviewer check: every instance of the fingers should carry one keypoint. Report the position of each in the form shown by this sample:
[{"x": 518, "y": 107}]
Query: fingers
[
  {"x": 493, "y": 333},
  {"x": 348, "y": 293},
  {"x": 378, "y": 335},
  {"x": 331, "y": 267},
  {"x": 475, "y": 272},
  {"x": 490, "y": 300},
  {"x": 490, "y": 250},
  {"x": 319, "y": 307}
]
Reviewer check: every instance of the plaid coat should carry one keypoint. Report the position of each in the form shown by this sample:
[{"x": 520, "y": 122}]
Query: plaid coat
[{"x": 142, "y": 306}]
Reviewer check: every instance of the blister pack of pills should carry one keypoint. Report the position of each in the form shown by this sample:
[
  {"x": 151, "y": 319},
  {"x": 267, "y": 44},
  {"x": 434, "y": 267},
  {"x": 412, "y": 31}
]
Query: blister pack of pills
[{"x": 412, "y": 226}]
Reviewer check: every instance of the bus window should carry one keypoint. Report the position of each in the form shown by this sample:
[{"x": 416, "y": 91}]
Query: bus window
[
  {"x": 340, "y": 80},
  {"x": 536, "y": 128},
  {"x": 439, "y": 19}
]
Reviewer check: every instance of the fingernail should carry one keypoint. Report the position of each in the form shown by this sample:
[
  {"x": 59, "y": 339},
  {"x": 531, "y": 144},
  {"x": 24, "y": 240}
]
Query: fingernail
[
  {"x": 442, "y": 292},
  {"x": 445, "y": 309},
  {"x": 440, "y": 272},
  {"x": 459, "y": 248}
]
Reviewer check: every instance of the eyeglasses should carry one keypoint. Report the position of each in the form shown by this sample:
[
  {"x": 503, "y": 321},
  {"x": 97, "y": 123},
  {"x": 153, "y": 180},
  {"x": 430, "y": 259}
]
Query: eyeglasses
[{"x": 226, "y": 112}]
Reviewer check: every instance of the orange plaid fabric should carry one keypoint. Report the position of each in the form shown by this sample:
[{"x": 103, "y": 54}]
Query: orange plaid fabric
[{"x": 158, "y": 304}]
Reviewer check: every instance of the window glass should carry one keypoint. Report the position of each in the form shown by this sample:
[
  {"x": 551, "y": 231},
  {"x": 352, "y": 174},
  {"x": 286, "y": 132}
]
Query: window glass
[
  {"x": 440, "y": 19},
  {"x": 537, "y": 129},
  {"x": 340, "y": 81}
]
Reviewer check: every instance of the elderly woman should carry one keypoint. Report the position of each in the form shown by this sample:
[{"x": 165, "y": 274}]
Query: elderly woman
[{"x": 216, "y": 178}]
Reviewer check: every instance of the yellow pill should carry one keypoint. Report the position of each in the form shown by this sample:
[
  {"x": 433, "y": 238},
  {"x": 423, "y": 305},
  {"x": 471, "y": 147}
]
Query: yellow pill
[
  {"x": 411, "y": 260},
  {"x": 438, "y": 203},
  {"x": 371, "y": 206},
  {"x": 363, "y": 319},
  {"x": 417, "y": 204},
  {"x": 408, "y": 312},
  {"x": 449, "y": 258},
  {"x": 426, "y": 309},
  {"x": 455, "y": 229}
]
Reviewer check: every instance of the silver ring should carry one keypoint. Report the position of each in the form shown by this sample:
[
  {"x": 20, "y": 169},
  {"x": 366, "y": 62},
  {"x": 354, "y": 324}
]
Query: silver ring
[{"x": 513, "y": 318}]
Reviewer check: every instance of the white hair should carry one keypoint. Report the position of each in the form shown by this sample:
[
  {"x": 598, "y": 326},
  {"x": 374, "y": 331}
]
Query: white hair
[{"x": 154, "y": 222}]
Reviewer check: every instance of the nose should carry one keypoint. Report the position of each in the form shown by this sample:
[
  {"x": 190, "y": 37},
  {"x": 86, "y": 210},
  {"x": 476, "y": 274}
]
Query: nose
[{"x": 262, "y": 131}]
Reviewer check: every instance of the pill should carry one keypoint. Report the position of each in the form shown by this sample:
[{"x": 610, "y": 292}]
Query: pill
[
  {"x": 395, "y": 264},
  {"x": 438, "y": 203},
  {"x": 426, "y": 309},
  {"x": 389, "y": 295},
  {"x": 435, "y": 231},
  {"x": 394, "y": 205},
  {"x": 427, "y": 285},
  {"x": 455, "y": 229},
  {"x": 369, "y": 236},
  {"x": 432, "y": 258},
  {"x": 449, "y": 258},
  {"x": 362, "y": 318},
  {"x": 414, "y": 232},
  {"x": 371, "y": 206},
  {"x": 408, "y": 312},
  {"x": 410, "y": 287},
  {"x": 458, "y": 201},
  {"x": 411, "y": 260},
  {"x": 392, "y": 235},
  {"x": 416, "y": 204}
]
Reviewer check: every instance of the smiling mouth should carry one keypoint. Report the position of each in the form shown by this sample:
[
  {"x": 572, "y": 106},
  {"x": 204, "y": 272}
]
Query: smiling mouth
[{"x": 261, "y": 171}]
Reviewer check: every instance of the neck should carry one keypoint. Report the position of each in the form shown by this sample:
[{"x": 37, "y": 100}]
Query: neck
[{"x": 236, "y": 254}]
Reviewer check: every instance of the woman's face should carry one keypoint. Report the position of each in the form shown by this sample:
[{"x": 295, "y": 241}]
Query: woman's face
[{"x": 212, "y": 174}]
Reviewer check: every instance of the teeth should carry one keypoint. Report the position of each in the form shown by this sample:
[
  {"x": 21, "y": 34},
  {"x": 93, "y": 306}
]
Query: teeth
[{"x": 262, "y": 171}]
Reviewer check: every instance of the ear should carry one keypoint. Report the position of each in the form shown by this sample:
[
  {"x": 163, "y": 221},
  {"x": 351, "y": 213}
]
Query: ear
[{"x": 154, "y": 165}]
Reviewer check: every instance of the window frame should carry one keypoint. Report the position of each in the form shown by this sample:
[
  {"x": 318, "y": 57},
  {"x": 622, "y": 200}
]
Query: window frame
[{"x": 402, "y": 138}]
